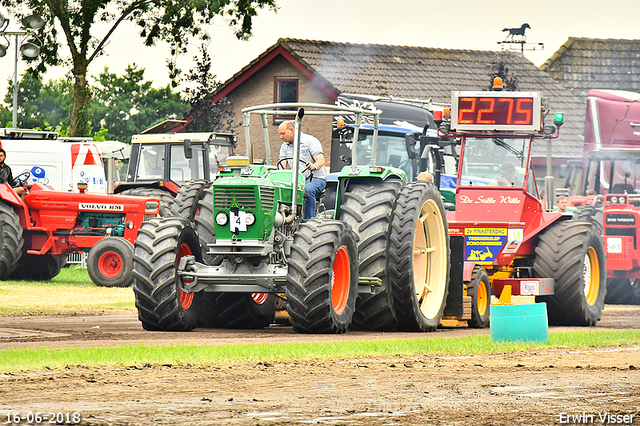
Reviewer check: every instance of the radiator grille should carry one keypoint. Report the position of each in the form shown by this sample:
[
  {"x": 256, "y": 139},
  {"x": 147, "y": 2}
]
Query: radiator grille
[
  {"x": 245, "y": 197},
  {"x": 266, "y": 198}
]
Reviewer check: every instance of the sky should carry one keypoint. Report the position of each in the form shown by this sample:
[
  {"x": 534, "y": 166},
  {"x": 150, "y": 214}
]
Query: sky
[{"x": 450, "y": 24}]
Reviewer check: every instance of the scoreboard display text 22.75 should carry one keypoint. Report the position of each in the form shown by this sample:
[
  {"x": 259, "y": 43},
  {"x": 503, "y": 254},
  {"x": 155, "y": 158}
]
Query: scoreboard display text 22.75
[{"x": 496, "y": 111}]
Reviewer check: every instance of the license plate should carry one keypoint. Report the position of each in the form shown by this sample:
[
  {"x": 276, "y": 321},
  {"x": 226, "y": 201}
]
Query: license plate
[{"x": 614, "y": 245}]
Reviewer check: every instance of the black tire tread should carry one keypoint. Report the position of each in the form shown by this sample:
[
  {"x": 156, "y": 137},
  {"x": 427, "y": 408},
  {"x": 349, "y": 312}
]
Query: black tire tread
[
  {"x": 154, "y": 273},
  {"x": 401, "y": 248},
  {"x": 310, "y": 274},
  {"x": 368, "y": 207},
  {"x": 166, "y": 199},
  {"x": 186, "y": 202},
  {"x": 12, "y": 240},
  {"x": 560, "y": 255}
]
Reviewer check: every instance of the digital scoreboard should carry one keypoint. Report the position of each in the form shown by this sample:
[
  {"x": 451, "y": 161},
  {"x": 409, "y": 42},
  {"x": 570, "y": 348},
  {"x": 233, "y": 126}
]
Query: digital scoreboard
[{"x": 496, "y": 111}]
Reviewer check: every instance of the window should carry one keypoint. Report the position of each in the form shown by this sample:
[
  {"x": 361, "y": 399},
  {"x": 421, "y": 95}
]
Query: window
[
  {"x": 286, "y": 90},
  {"x": 184, "y": 169},
  {"x": 151, "y": 164}
]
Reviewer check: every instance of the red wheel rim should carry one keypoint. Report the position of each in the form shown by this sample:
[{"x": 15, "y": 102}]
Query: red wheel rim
[
  {"x": 186, "y": 299},
  {"x": 110, "y": 264},
  {"x": 259, "y": 298},
  {"x": 341, "y": 280}
]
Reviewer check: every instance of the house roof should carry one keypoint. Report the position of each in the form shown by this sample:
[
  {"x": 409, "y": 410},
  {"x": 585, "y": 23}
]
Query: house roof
[
  {"x": 582, "y": 64},
  {"x": 418, "y": 72}
]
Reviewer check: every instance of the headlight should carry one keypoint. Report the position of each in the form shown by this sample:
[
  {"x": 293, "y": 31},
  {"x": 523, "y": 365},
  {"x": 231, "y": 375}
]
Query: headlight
[
  {"x": 250, "y": 219},
  {"x": 222, "y": 218},
  {"x": 151, "y": 206},
  {"x": 621, "y": 200},
  {"x": 614, "y": 199}
]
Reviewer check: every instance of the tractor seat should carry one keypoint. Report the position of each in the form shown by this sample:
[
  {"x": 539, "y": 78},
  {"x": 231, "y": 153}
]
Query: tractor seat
[{"x": 319, "y": 196}]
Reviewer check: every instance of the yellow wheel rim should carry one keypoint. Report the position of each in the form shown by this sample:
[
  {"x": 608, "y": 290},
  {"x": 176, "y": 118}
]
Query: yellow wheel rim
[
  {"x": 591, "y": 276},
  {"x": 482, "y": 298},
  {"x": 430, "y": 259}
]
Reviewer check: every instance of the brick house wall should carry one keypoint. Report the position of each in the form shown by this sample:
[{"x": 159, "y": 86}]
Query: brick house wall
[{"x": 260, "y": 89}]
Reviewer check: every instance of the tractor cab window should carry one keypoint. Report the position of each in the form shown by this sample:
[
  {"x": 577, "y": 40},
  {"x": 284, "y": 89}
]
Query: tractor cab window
[
  {"x": 494, "y": 162},
  {"x": 391, "y": 151},
  {"x": 151, "y": 164},
  {"x": 218, "y": 157},
  {"x": 185, "y": 169},
  {"x": 615, "y": 176}
]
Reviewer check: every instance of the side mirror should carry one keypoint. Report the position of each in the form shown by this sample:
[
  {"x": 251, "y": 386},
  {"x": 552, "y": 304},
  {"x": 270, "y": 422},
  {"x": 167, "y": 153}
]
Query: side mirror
[
  {"x": 410, "y": 144},
  {"x": 188, "y": 150}
]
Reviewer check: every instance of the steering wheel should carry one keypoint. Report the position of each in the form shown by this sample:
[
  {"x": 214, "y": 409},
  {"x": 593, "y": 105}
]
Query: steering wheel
[
  {"x": 281, "y": 162},
  {"x": 22, "y": 180}
]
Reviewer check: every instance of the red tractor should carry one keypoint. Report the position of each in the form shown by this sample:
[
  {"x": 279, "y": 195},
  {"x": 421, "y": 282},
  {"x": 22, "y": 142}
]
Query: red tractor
[
  {"x": 611, "y": 168},
  {"x": 508, "y": 236},
  {"x": 41, "y": 230}
]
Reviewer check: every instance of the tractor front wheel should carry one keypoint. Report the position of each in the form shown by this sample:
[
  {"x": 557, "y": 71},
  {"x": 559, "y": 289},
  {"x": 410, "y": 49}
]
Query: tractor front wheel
[
  {"x": 110, "y": 262},
  {"x": 419, "y": 257},
  {"x": 479, "y": 288},
  {"x": 572, "y": 253},
  {"x": 323, "y": 277},
  {"x": 161, "y": 303}
]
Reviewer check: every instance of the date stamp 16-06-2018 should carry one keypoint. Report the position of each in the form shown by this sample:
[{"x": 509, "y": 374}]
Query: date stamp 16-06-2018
[{"x": 56, "y": 418}]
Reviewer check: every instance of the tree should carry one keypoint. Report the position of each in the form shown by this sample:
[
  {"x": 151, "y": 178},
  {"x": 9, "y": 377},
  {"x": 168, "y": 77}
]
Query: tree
[
  {"x": 174, "y": 21},
  {"x": 41, "y": 104},
  {"x": 127, "y": 105},
  {"x": 205, "y": 115}
]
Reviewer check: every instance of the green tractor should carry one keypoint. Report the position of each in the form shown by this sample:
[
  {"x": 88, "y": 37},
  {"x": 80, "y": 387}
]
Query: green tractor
[{"x": 379, "y": 262}]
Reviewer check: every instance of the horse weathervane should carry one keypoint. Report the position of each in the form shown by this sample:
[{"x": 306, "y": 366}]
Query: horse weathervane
[
  {"x": 517, "y": 32},
  {"x": 517, "y": 36}
]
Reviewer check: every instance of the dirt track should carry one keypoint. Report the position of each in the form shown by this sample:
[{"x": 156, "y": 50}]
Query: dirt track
[{"x": 541, "y": 387}]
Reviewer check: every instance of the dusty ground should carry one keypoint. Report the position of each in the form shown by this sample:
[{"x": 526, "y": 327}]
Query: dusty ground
[{"x": 536, "y": 387}]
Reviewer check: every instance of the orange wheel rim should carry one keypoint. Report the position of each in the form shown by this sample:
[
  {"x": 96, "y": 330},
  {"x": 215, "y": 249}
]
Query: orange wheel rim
[
  {"x": 340, "y": 280},
  {"x": 110, "y": 264},
  {"x": 482, "y": 298},
  {"x": 186, "y": 299},
  {"x": 259, "y": 298}
]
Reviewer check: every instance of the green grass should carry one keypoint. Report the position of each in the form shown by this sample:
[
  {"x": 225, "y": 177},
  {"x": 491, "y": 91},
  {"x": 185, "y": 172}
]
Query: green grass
[
  {"x": 41, "y": 358},
  {"x": 71, "y": 292}
]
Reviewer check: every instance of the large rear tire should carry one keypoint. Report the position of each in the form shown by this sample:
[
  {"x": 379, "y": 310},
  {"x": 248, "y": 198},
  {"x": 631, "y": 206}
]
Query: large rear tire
[
  {"x": 166, "y": 199},
  {"x": 161, "y": 304},
  {"x": 110, "y": 262},
  {"x": 323, "y": 277},
  {"x": 38, "y": 267},
  {"x": 186, "y": 202},
  {"x": 12, "y": 242},
  {"x": 367, "y": 208},
  {"x": 572, "y": 253},
  {"x": 419, "y": 257},
  {"x": 479, "y": 288}
]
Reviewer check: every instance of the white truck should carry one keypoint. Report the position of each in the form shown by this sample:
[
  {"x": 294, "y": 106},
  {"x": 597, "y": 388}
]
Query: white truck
[{"x": 52, "y": 160}]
